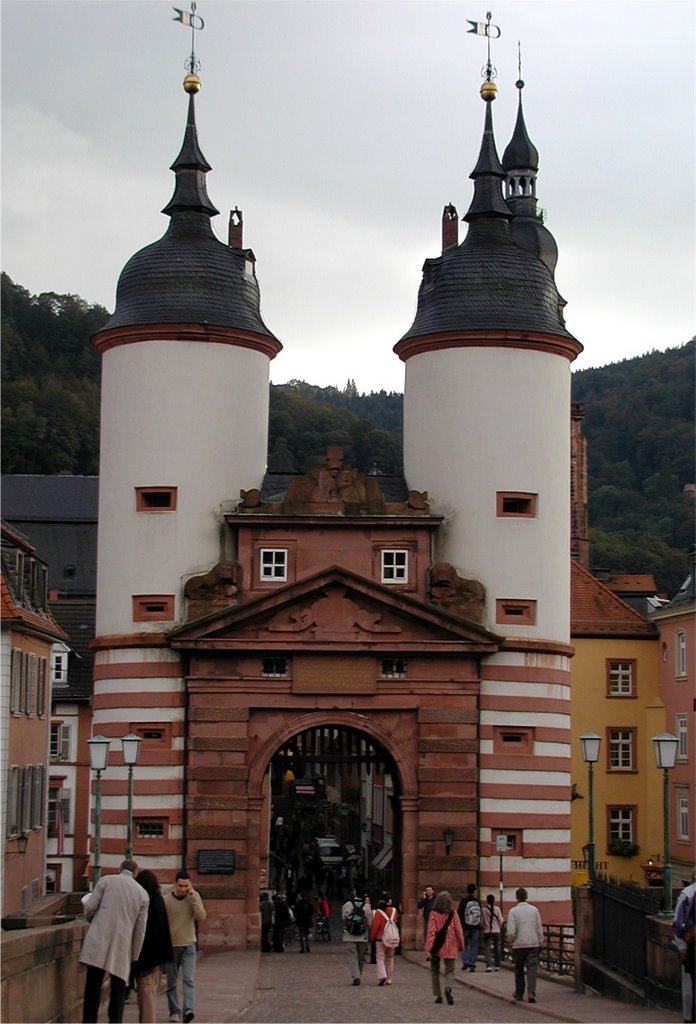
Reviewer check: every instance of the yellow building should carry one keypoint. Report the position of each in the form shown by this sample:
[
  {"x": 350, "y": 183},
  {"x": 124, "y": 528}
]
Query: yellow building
[{"x": 615, "y": 694}]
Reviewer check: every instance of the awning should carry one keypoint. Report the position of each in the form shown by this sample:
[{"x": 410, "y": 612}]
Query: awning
[{"x": 383, "y": 859}]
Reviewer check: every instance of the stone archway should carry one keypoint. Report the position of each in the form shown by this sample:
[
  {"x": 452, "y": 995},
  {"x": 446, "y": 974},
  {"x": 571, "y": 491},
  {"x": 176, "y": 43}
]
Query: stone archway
[{"x": 370, "y": 726}]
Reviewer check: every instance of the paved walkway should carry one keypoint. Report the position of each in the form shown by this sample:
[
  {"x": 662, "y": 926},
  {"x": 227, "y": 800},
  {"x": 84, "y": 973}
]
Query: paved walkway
[{"x": 246, "y": 986}]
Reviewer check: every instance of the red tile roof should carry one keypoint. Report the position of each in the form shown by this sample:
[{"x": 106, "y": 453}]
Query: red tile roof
[
  {"x": 596, "y": 611},
  {"x": 15, "y": 615}
]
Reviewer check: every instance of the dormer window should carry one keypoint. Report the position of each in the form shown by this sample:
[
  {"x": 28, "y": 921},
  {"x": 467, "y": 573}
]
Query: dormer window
[{"x": 249, "y": 268}]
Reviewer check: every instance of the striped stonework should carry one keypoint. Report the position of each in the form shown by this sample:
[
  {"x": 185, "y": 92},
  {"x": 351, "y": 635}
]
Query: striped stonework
[
  {"x": 525, "y": 748},
  {"x": 141, "y": 690}
]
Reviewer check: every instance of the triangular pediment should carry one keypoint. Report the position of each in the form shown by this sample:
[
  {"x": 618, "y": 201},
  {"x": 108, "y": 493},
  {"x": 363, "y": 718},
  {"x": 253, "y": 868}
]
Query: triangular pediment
[{"x": 339, "y": 608}]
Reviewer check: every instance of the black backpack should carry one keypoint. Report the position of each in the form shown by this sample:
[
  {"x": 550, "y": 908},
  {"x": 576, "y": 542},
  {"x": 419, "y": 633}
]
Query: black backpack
[{"x": 355, "y": 922}]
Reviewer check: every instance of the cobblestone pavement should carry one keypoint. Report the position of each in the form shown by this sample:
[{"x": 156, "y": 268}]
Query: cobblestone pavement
[{"x": 301, "y": 989}]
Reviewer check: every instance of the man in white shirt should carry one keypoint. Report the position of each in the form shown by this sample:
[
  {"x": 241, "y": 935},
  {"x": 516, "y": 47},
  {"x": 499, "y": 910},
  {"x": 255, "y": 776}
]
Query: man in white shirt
[{"x": 525, "y": 935}]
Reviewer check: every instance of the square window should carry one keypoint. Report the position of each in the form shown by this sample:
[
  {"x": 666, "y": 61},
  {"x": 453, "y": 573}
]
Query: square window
[
  {"x": 274, "y": 565},
  {"x": 394, "y": 566},
  {"x": 393, "y": 668},
  {"x": 622, "y": 823},
  {"x": 621, "y": 756},
  {"x": 621, "y": 678},
  {"x": 274, "y": 668}
]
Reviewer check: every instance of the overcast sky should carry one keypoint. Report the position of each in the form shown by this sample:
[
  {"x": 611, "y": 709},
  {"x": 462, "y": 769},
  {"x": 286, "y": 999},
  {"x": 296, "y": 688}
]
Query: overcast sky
[{"x": 341, "y": 129}]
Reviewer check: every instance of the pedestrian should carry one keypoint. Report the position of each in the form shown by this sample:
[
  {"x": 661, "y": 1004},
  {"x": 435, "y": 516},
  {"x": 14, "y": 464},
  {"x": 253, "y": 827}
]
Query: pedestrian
[
  {"x": 685, "y": 939},
  {"x": 156, "y": 951},
  {"x": 304, "y": 915},
  {"x": 267, "y": 917},
  {"x": 323, "y": 910},
  {"x": 492, "y": 924},
  {"x": 386, "y": 941},
  {"x": 469, "y": 912},
  {"x": 525, "y": 936},
  {"x": 357, "y": 919},
  {"x": 117, "y": 912},
  {"x": 184, "y": 910},
  {"x": 281, "y": 919},
  {"x": 444, "y": 941},
  {"x": 425, "y": 904}
]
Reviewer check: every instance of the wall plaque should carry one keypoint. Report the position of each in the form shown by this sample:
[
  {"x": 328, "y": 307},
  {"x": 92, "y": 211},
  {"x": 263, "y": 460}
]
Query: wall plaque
[{"x": 216, "y": 862}]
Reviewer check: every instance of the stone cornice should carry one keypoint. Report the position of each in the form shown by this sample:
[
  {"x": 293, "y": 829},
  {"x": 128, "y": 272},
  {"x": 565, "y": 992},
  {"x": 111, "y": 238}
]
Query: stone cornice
[{"x": 206, "y": 334}]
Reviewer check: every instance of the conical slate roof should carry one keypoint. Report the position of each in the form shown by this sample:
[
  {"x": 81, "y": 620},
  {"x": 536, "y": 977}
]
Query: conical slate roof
[
  {"x": 488, "y": 282},
  {"x": 189, "y": 276},
  {"x": 520, "y": 153}
]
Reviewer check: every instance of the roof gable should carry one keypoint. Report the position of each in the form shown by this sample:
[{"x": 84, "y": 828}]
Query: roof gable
[
  {"x": 596, "y": 611},
  {"x": 336, "y": 608}
]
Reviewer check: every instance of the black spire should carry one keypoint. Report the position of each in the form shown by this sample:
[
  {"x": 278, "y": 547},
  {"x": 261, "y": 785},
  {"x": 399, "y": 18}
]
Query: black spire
[
  {"x": 190, "y": 168},
  {"x": 521, "y": 163},
  {"x": 488, "y": 174}
]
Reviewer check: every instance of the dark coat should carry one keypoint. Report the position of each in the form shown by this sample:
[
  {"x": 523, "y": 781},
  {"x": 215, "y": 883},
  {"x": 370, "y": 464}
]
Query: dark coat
[{"x": 157, "y": 945}]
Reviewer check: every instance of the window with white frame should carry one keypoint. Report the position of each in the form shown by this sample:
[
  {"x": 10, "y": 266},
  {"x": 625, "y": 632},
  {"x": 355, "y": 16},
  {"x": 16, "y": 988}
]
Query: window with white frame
[
  {"x": 680, "y": 653},
  {"x": 56, "y": 794},
  {"x": 274, "y": 668},
  {"x": 274, "y": 565},
  {"x": 683, "y": 815},
  {"x": 621, "y": 750},
  {"x": 394, "y": 566},
  {"x": 621, "y": 678},
  {"x": 393, "y": 668},
  {"x": 682, "y": 728},
  {"x": 621, "y": 823},
  {"x": 60, "y": 742},
  {"x": 59, "y": 667}
]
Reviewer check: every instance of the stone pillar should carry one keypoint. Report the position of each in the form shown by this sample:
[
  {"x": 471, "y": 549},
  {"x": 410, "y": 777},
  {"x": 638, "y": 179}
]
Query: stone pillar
[
  {"x": 583, "y": 932},
  {"x": 409, "y": 875}
]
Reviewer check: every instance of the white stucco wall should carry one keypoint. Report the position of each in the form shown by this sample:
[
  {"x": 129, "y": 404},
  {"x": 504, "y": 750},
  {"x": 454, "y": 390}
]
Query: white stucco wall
[
  {"x": 482, "y": 420},
  {"x": 174, "y": 413}
]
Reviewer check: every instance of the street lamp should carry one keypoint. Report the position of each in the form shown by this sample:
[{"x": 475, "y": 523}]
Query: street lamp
[
  {"x": 665, "y": 747},
  {"x": 131, "y": 752},
  {"x": 98, "y": 760},
  {"x": 590, "y": 754}
]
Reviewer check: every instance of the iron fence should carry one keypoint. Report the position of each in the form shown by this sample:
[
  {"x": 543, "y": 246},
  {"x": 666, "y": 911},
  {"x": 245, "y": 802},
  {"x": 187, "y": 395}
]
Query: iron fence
[
  {"x": 557, "y": 954},
  {"x": 619, "y": 930}
]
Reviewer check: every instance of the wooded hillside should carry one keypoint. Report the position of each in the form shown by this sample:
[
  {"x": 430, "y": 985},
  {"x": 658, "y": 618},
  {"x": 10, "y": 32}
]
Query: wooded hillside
[{"x": 639, "y": 423}]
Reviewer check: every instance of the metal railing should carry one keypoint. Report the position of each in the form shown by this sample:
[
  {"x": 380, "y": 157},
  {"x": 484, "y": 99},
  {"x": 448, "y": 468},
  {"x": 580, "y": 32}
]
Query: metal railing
[{"x": 557, "y": 954}]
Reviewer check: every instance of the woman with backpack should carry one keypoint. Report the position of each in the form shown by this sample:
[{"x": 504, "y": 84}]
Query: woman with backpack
[
  {"x": 444, "y": 941},
  {"x": 492, "y": 924},
  {"x": 385, "y": 935}
]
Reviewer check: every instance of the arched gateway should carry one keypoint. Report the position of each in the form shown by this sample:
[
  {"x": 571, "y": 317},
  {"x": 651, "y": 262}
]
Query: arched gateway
[{"x": 332, "y": 668}]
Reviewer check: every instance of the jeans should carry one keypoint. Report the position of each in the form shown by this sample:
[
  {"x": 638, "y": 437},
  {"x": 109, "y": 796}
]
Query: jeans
[
  {"x": 492, "y": 949},
  {"x": 527, "y": 956},
  {"x": 93, "y": 987},
  {"x": 303, "y": 931},
  {"x": 471, "y": 945},
  {"x": 184, "y": 960}
]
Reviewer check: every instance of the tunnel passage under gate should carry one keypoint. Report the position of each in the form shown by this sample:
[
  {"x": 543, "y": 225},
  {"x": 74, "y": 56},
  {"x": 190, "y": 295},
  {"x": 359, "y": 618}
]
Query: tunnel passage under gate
[{"x": 334, "y": 818}]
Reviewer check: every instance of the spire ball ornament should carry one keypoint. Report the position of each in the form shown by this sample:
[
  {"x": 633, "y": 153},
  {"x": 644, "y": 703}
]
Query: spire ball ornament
[
  {"x": 192, "y": 84},
  {"x": 488, "y": 90}
]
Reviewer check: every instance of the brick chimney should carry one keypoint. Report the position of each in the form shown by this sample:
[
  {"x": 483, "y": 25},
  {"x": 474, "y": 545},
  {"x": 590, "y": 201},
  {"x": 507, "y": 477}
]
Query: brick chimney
[
  {"x": 450, "y": 227},
  {"x": 235, "y": 236}
]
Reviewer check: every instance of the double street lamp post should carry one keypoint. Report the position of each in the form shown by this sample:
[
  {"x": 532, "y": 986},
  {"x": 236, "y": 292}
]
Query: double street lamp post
[
  {"x": 98, "y": 760},
  {"x": 665, "y": 747},
  {"x": 131, "y": 752},
  {"x": 590, "y": 754}
]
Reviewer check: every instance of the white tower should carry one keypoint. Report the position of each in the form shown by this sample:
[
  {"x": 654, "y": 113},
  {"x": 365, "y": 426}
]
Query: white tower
[
  {"x": 487, "y": 432},
  {"x": 184, "y": 425}
]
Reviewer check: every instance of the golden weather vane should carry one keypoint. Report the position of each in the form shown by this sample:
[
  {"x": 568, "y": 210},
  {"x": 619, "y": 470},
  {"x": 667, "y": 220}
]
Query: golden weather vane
[{"x": 481, "y": 28}]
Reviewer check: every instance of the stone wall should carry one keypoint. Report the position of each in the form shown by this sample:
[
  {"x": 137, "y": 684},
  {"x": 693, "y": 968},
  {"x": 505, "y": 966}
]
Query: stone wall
[{"x": 40, "y": 980}]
